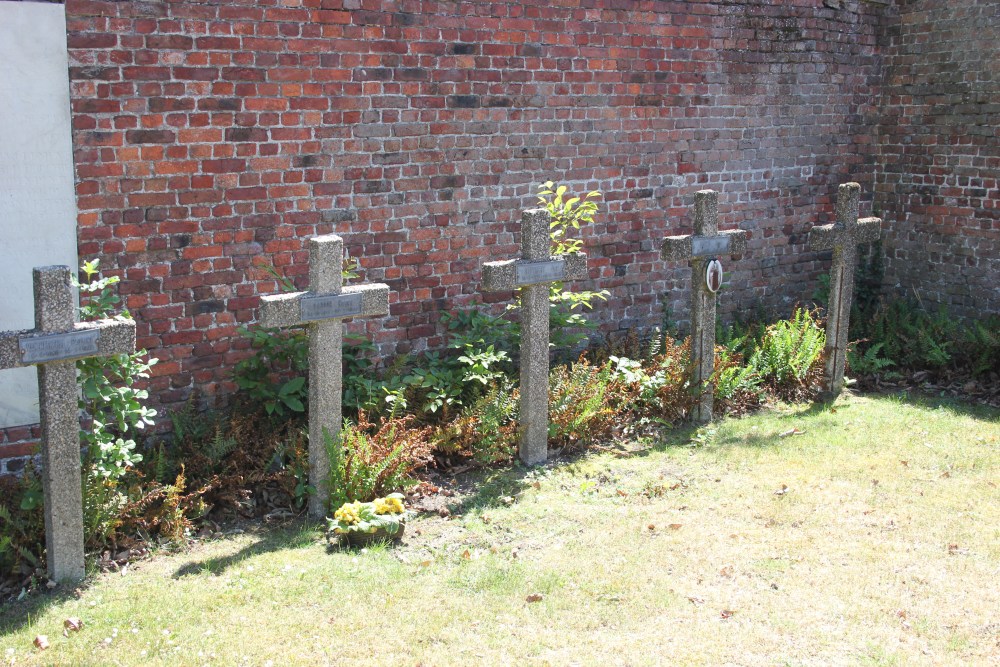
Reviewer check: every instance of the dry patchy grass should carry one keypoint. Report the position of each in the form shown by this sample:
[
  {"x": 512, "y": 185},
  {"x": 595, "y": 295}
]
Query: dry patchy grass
[{"x": 871, "y": 538}]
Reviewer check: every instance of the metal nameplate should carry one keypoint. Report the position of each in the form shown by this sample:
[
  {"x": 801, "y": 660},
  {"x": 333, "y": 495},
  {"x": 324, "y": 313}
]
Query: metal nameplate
[
  {"x": 531, "y": 273},
  {"x": 59, "y": 347},
  {"x": 329, "y": 307},
  {"x": 709, "y": 245}
]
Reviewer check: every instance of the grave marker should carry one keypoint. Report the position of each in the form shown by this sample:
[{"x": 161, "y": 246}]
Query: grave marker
[
  {"x": 533, "y": 273},
  {"x": 843, "y": 238},
  {"x": 321, "y": 309},
  {"x": 54, "y": 345},
  {"x": 702, "y": 248}
]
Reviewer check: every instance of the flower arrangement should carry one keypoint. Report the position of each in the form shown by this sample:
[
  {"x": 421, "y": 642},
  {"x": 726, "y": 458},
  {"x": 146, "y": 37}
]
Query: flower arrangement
[{"x": 382, "y": 518}]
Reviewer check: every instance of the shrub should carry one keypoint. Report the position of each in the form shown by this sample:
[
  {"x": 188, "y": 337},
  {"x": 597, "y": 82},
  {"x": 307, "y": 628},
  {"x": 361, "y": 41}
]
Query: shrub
[
  {"x": 789, "y": 360},
  {"x": 486, "y": 431},
  {"x": 658, "y": 388},
  {"x": 108, "y": 392},
  {"x": 583, "y": 405},
  {"x": 374, "y": 459}
]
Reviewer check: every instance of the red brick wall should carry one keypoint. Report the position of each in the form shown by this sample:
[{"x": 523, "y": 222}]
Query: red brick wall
[
  {"x": 939, "y": 181},
  {"x": 211, "y": 135}
]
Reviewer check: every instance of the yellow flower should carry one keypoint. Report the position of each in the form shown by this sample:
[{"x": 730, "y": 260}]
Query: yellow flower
[
  {"x": 388, "y": 506},
  {"x": 348, "y": 513}
]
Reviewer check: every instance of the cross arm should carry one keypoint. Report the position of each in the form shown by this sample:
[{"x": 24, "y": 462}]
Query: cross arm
[
  {"x": 510, "y": 274},
  {"x": 688, "y": 246},
  {"x": 869, "y": 230},
  {"x": 298, "y": 308},
  {"x": 825, "y": 237},
  {"x": 102, "y": 338}
]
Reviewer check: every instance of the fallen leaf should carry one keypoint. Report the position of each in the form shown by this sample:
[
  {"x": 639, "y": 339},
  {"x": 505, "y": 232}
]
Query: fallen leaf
[
  {"x": 537, "y": 485},
  {"x": 621, "y": 493},
  {"x": 651, "y": 526},
  {"x": 425, "y": 563},
  {"x": 945, "y": 475},
  {"x": 727, "y": 613},
  {"x": 726, "y": 571},
  {"x": 782, "y": 491},
  {"x": 534, "y": 597},
  {"x": 906, "y": 464},
  {"x": 675, "y": 486},
  {"x": 41, "y": 642},
  {"x": 675, "y": 526},
  {"x": 696, "y": 600},
  {"x": 466, "y": 554},
  {"x": 73, "y": 624}
]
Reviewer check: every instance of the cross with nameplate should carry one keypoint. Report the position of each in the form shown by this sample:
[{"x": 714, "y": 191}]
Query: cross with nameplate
[
  {"x": 322, "y": 310},
  {"x": 54, "y": 345},
  {"x": 533, "y": 274},
  {"x": 702, "y": 249},
  {"x": 843, "y": 238}
]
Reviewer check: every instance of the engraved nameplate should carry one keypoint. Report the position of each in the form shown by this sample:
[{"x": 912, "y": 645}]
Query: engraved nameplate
[
  {"x": 709, "y": 245},
  {"x": 329, "y": 307},
  {"x": 58, "y": 347},
  {"x": 531, "y": 273}
]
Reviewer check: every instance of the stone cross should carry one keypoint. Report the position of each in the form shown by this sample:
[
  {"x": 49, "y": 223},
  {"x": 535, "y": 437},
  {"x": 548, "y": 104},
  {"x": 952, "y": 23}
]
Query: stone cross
[
  {"x": 843, "y": 238},
  {"x": 702, "y": 249},
  {"x": 533, "y": 273},
  {"x": 54, "y": 345},
  {"x": 322, "y": 309}
]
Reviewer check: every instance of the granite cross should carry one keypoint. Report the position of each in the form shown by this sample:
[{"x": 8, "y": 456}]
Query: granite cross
[
  {"x": 321, "y": 309},
  {"x": 702, "y": 248},
  {"x": 843, "y": 238},
  {"x": 54, "y": 345},
  {"x": 533, "y": 273}
]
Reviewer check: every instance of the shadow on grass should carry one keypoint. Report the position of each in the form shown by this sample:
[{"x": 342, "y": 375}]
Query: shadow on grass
[
  {"x": 293, "y": 536},
  {"x": 953, "y": 405},
  {"x": 495, "y": 487},
  {"x": 16, "y": 615}
]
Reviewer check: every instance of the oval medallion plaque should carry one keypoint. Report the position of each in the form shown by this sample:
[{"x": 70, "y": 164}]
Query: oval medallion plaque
[{"x": 713, "y": 276}]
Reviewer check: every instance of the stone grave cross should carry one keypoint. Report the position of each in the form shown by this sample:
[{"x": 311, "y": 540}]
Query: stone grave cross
[
  {"x": 843, "y": 238},
  {"x": 322, "y": 309},
  {"x": 703, "y": 248},
  {"x": 533, "y": 273},
  {"x": 54, "y": 345}
]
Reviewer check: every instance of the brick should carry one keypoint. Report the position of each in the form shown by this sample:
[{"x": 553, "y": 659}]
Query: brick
[{"x": 150, "y": 136}]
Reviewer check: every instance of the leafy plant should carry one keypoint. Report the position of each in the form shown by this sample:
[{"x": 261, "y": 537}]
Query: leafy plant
[
  {"x": 369, "y": 459},
  {"x": 658, "y": 387},
  {"x": 871, "y": 362},
  {"x": 263, "y": 376},
  {"x": 22, "y": 524},
  {"x": 566, "y": 323},
  {"x": 485, "y": 431},
  {"x": 582, "y": 408},
  {"x": 115, "y": 406},
  {"x": 789, "y": 357}
]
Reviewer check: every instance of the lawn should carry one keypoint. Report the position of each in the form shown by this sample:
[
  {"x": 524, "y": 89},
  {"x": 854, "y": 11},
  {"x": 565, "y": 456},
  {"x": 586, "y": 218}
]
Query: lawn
[{"x": 865, "y": 534}]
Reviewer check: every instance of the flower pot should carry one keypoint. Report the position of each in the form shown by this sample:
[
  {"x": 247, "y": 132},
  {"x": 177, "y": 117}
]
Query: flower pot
[{"x": 358, "y": 539}]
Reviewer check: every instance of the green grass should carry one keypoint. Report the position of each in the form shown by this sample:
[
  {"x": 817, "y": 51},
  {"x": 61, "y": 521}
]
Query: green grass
[{"x": 883, "y": 549}]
